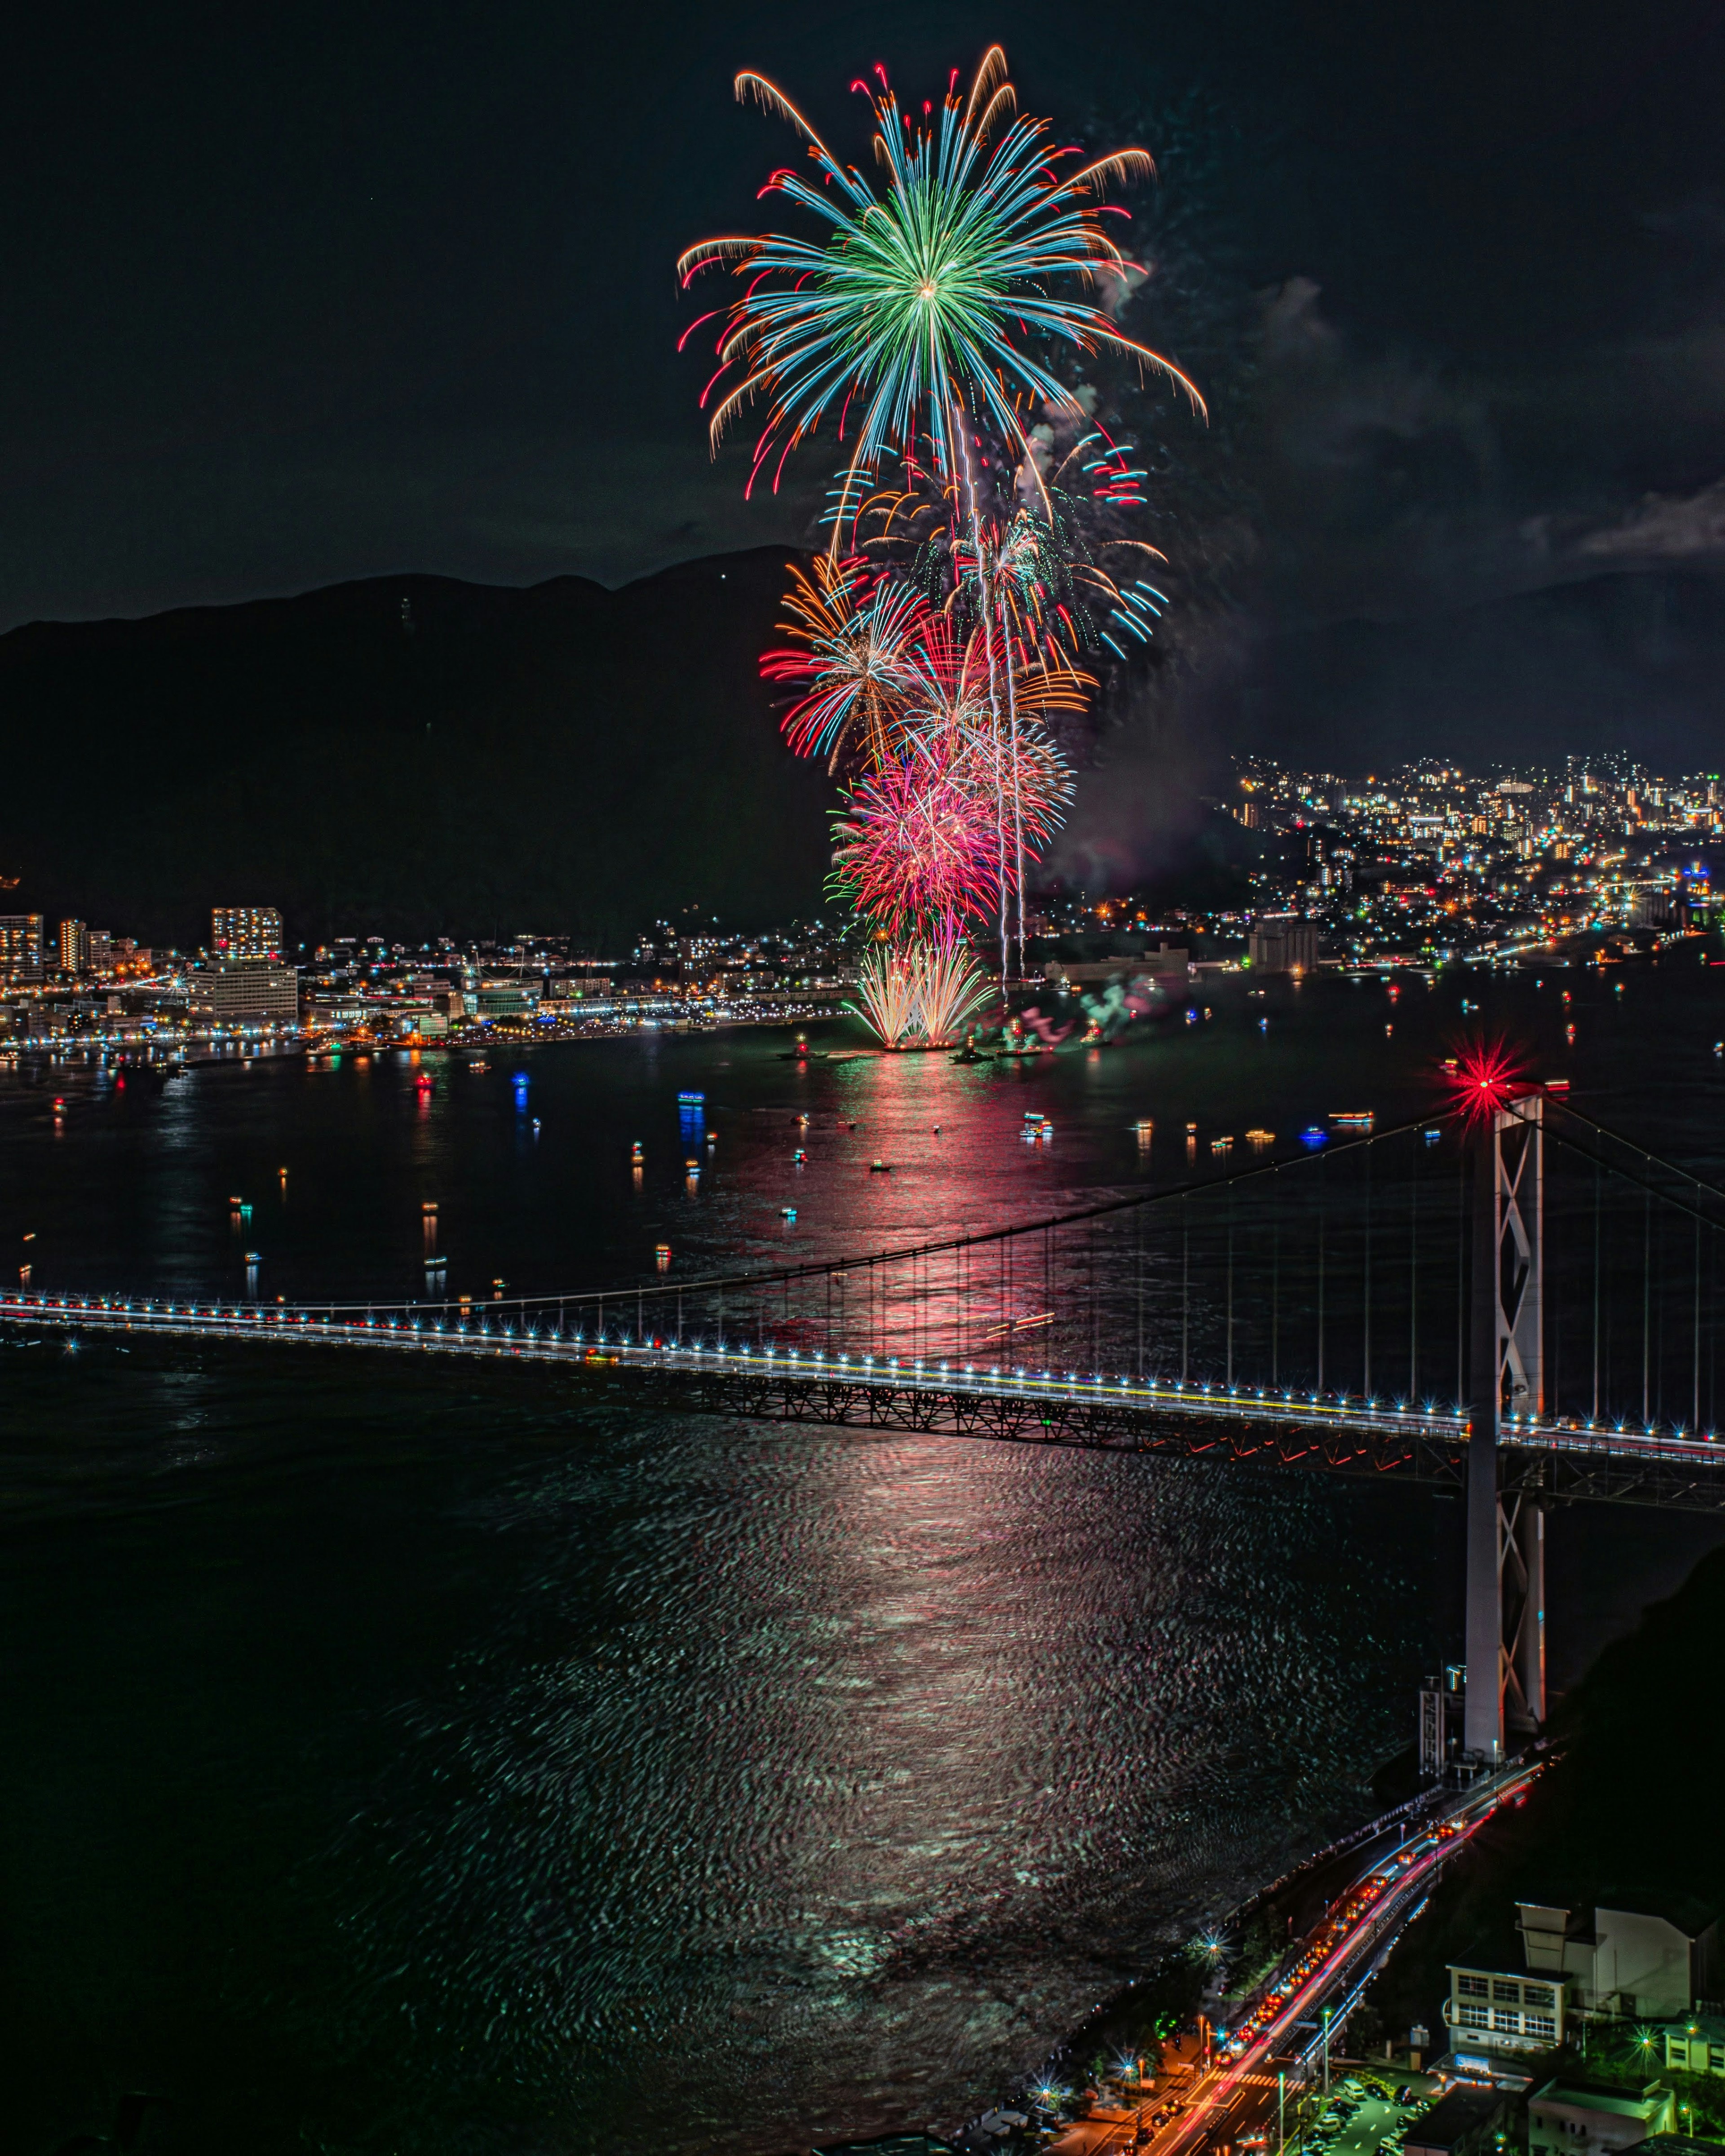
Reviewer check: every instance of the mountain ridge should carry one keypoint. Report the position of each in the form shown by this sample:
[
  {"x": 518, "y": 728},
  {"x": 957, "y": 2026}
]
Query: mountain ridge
[{"x": 415, "y": 755}]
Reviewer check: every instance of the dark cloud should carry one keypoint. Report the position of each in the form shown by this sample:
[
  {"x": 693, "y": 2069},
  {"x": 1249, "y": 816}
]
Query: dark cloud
[
  {"x": 1664, "y": 528},
  {"x": 1451, "y": 557}
]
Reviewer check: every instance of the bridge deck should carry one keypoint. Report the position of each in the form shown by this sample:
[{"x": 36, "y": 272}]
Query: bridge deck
[{"x": 1120, "y": 1413}]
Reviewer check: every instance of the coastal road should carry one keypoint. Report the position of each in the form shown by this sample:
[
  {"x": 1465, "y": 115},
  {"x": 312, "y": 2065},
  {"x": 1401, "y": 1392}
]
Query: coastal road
[{"x": 1235, "y": 2099}]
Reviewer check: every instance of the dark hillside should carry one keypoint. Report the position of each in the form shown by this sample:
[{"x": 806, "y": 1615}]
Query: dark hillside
[{"x": 415, "y": 755}]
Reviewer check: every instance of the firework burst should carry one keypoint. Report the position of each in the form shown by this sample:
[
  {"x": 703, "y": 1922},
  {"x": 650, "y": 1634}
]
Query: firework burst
[
  {"x": 918, "y": 324},
  {"x": 950, "y": 987},
  {"x": 856, "y": 629},
  {"x": 918, "y": 307},
  {"x": 887, "y": 996},
  {"x": 916, "y": 851},
  {"x": 929, "y": 986}
]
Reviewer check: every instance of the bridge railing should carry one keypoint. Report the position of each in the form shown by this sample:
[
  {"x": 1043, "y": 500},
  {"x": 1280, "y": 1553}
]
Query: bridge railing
[{"x": 1336, "y": 1275}]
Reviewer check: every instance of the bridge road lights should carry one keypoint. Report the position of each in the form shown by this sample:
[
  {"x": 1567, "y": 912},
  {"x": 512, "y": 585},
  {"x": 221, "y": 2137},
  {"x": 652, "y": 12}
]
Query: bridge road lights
[{"x": 1505, "y": 1545}]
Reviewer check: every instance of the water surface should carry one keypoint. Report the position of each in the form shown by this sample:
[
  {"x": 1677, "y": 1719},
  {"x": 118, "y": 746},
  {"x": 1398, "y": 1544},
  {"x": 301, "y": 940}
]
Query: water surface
[{"x": 426, "y": 1760}]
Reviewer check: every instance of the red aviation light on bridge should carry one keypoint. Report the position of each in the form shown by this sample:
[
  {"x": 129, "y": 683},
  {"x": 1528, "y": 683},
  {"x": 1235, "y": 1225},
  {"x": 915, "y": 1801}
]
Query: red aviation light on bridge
[{"x": 1482, "y": 1078}]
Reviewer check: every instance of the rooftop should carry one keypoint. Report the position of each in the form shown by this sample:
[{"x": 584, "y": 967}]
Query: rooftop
[
  {"x": 1484, "y": 1958},
  {"x": 1596, "y": 2096},
  {"x": 1688, "y": 1914},
  {"x": 1454, "y": 2117},
  {"x": 1711, "y": 2026}
]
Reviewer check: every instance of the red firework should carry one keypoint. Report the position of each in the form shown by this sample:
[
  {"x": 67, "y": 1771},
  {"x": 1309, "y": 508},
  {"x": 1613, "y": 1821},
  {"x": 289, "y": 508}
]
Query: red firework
[{"x": 919, "y": 848}]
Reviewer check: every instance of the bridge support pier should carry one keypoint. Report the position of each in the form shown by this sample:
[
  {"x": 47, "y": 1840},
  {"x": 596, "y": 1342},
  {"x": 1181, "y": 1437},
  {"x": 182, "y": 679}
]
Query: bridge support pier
[{"x": 1506, "y": 1540}]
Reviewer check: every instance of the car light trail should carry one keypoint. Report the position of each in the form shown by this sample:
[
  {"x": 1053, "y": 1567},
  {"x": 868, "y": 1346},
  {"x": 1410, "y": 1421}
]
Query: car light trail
[{"x": 1379, "y": 1905}]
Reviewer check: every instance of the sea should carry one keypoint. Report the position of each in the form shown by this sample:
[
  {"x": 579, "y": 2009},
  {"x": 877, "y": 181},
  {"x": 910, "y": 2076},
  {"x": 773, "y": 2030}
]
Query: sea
[{"x": 424, "y": 1760}]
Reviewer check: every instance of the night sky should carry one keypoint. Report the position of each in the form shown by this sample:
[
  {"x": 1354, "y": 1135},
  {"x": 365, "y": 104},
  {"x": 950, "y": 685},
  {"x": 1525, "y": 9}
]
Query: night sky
[{"x": 301, "y": 294}]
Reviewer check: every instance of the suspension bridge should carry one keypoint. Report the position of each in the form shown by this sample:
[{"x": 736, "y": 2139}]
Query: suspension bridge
[{"x": 1513, "y": 1303}]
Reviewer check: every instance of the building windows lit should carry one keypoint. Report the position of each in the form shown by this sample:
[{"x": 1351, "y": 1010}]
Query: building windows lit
[
  {"x": 73, "y": 948},
  {"x": 21, "y": 947},
  {"x": 245, "y": 932}
]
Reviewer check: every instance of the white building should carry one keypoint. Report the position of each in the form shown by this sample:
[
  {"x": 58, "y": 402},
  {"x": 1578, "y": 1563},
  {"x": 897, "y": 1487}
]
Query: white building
[
  {"x": 1650, "y": 1961},
  {"x": 1697, "y": 2045},
  {"x": 249, "y": 989},
  {"x": 1503, "y": 2011},
  {"x": 1581, "y": 2118}
]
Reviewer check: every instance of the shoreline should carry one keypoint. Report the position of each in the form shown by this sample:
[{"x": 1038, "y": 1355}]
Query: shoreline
[{"x": 1174, "y": 1973}]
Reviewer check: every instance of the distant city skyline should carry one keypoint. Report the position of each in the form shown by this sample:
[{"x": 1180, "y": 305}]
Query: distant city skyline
[
  {"x": 1420, "y": 867},
  {"x": 860, "y": 1054}
]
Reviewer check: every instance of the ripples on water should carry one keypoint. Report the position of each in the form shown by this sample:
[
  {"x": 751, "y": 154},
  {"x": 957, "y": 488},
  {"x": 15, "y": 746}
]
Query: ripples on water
[
  {"x": 437, "y": 1759},
  {"x": 413, "y": 1760},
  {"x": 856, "y": 1785}
]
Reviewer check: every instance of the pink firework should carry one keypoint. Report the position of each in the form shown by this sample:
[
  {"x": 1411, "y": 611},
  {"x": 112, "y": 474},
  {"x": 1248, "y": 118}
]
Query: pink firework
[{"x": 917, "y": 850}]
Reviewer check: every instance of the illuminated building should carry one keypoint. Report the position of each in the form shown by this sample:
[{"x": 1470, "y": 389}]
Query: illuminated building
[
  {"x": 21, "y": 945},
  {"x": 73, "y": 948},
  {"x": 1696, "y": 2044},
  {"x": 245, "y": 932},
  {"x": 247, "y": 989},
  {"x": 1491, "y": 2009}
]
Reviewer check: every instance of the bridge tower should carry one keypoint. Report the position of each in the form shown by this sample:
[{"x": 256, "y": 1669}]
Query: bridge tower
[{"x": 1506, "y": 1541}]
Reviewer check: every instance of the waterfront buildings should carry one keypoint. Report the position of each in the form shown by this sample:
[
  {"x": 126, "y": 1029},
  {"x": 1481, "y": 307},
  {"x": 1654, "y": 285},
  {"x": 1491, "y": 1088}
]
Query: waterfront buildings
[
  {"x": 1428, "y": 862},
  {"x": 367, "y": 990},
  {"x": 1429, "y": 865},
  {"x": 1425, "y": 866},
  {"x": 1283, "y": 943},
  {"x": 246, "y": 988},
  {"x": 78, "y": 949}
]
